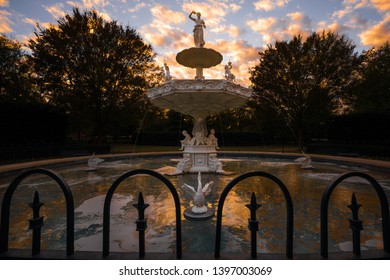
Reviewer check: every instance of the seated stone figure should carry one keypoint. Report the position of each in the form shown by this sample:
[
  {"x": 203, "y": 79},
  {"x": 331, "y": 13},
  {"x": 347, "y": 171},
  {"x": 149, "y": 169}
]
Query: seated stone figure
[
  {"x": 198, "y": 139},
  {"x": 211, "y": 139},
  {"x": 186, "y": 140}
]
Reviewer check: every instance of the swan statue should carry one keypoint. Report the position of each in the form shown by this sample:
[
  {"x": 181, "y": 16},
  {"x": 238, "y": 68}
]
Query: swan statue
[
  {"x": 305, "y": 162},
  {"x": 199, "y": 195},
  {"x": 93, "y": 162}
]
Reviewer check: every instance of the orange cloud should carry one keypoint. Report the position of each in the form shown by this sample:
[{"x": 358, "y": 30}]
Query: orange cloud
[
  {"x": 89, "y": 4},
  {"x": 137, "y": 7},
  {"x": 334, "y": 27},
  {"x": 272, "y": 29},
  {"x": 4, "y": 3},
  {"x": 167, "y": 16},
  {"x": 382, "y": 5},
  {"x": 232, "y": 30},
  {"x": 378, "y": 34},
  {"x": 162, "y": 35},
  {"x": 5, "y": 22},
  {"x": 268, "y": 5},
  {"x": 56, "y": 10},
  {"x": 262, "y": 24}
]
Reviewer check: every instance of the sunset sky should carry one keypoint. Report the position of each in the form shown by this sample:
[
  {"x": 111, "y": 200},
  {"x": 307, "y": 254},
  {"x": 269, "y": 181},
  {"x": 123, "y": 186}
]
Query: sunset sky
[{"x": 238, "y": 29}]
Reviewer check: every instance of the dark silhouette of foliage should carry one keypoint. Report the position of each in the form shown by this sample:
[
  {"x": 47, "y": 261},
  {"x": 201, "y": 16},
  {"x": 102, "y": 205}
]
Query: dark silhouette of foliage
[
  {"x": 305, "y": 80},
  {"x": 15, "y": 73},
  {"x": 95, "y": 70},
  {"x": 373, "y": 88}
]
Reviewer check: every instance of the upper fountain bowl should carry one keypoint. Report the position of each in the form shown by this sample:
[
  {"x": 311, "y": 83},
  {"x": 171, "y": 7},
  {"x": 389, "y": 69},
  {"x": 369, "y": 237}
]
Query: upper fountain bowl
[{"x": 199, "y": 57}]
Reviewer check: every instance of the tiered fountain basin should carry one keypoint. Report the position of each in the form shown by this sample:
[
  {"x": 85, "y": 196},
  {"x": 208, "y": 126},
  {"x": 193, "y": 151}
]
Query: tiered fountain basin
[{"x": 199, "y": 98}]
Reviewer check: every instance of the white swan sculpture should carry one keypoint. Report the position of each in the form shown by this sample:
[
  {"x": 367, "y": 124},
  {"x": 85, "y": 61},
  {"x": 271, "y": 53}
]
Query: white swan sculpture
[
  {"x": 305, "y": 162},
  {"x": 93, "y": 162},
  {"x": 199, "y": 195}
]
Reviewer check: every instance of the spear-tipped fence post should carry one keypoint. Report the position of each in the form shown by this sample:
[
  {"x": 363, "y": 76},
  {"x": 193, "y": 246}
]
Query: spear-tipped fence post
[
  {"x": 36, "y": 224},
  {"x": 253, "y": 224},
  {"x": 355, "y": 224},
  {"x": 141, "y": 223}
]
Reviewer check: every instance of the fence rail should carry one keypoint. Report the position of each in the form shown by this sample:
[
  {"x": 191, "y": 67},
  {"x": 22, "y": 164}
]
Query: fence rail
[{"x": 37, "y": 222}]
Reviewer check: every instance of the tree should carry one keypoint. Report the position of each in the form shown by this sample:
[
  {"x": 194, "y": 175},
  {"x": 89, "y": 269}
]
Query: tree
[
  {"x": 305, "y": 80},
  {"x": 15, "y": 82},
  {"x": 95, "y": 70},
  {"x": 373, "y": 88}
]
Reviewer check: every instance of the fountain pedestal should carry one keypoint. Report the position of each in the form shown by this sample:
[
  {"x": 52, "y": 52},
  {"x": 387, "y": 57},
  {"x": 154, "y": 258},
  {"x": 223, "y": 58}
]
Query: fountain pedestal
[{"x": 200, "y": 158}]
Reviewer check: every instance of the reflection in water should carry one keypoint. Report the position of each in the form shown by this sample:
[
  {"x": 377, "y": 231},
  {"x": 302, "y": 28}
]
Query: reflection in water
[{"x": 306, "y": 188}]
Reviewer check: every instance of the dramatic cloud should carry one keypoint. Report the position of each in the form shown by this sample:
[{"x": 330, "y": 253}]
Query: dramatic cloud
[
  {"x": 57, "y": 10},
  {"x": 268, "y": 5},
  {"x": 382, "y": 5},
  {"x": 89, "y": 4},
  {"x": 358, "y": 21},
  {"x": 163, "y": 31},
  {"x": 272, "y": 28},
  {"x": 163, "y": 35},
  {"x": 137, "y": 7},
  {"x": 233, "y": 31},
  {"x": 378, "y": 34},
  {"x": 262, "y": 24},
  {"x": 167, "y": 16},
  {"x": 5, "y": 22},
  {"x": 214, "y": 12},
  {"x": 4, "y": 3},
  {"x": 98, "y": 5},
  {"x": 334, "y": 27}
]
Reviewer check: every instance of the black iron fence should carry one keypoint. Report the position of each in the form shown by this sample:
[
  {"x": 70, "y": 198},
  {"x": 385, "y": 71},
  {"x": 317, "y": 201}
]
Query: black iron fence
[{"x": 36, "y": 222}]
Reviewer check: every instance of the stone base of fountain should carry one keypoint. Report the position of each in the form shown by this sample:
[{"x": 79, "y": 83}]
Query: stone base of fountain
[
  {"x": 199, "y": 158},
  {"x": 189, "y": 215}
]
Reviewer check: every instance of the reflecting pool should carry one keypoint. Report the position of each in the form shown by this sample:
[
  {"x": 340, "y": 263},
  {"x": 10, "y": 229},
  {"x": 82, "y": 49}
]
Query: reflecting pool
[{"x": 305, "y": 185}]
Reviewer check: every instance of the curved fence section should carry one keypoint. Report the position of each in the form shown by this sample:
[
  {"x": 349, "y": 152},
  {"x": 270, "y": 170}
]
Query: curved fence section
[
  {"x": 37, "y": 221},
  {"x": 252, "y": 206},
  {"x": 355, "y": 223},
  {"x": 141, "y": 222}
]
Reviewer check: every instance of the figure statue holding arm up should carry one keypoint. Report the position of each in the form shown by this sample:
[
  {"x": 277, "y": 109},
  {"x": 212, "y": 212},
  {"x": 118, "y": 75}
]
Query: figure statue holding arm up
[{"x": 198, "y": 29}]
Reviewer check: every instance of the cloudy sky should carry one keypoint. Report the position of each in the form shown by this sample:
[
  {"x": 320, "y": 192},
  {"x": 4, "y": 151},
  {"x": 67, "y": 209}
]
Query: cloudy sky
[{"x": 238, "y": 29}]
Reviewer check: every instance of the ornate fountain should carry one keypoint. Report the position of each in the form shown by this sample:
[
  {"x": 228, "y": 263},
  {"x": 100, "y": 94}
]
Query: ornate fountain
[{"x": 199, "y": 98}]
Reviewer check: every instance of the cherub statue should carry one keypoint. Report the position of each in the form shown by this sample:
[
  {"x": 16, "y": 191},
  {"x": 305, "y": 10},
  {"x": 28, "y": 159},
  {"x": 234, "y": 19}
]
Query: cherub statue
[
  {"x": 198, "y": 139},
  {"x": 186, "y": 140},
  {"x": 199, "y": 195},
  {"x": 211, "y": 139},
  {"x": 198, "y": 29},
  {"x": 228, "y": 74},
  {"x": 168, "y": 76}
]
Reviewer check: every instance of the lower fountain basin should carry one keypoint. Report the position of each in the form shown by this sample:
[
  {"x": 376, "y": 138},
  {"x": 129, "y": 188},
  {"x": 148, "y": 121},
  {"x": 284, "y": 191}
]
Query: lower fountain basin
[{"x": 305, "y": 185}]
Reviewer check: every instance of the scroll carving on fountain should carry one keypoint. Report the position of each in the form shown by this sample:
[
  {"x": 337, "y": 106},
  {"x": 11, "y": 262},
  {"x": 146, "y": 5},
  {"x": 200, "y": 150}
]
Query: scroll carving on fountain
[{"x": 199, "y": 98}]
